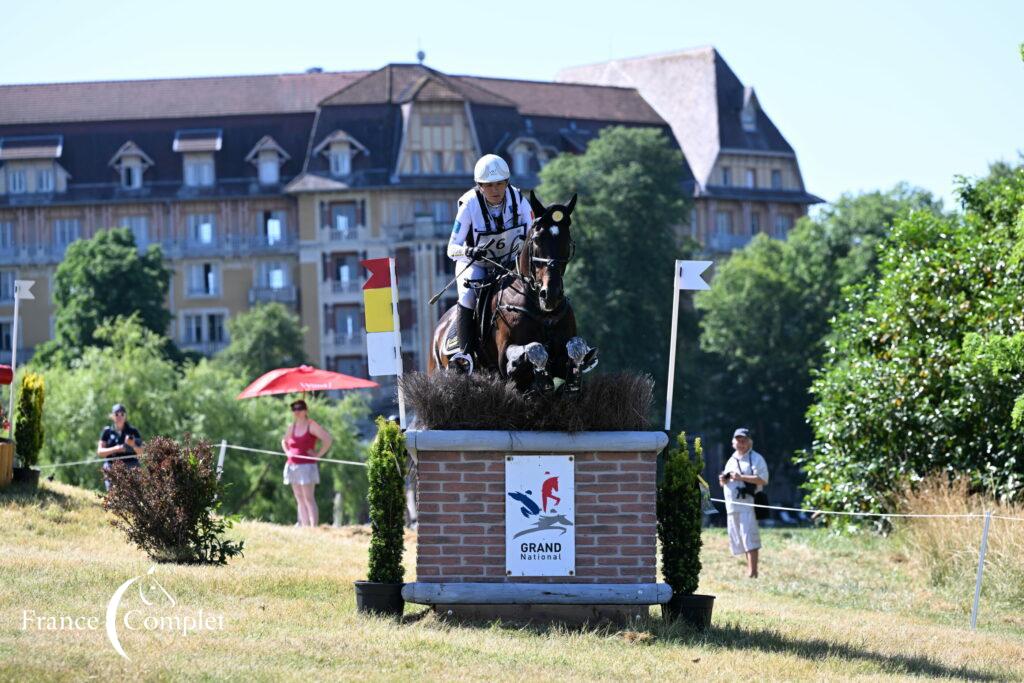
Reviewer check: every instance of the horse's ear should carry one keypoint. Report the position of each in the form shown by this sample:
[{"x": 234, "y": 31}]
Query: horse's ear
[
  {"x": 572, "y": 204},
  {"x": 538, "y": 208}
]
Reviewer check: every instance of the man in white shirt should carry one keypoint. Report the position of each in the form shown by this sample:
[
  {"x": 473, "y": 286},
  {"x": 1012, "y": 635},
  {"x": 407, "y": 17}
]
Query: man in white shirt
[{"x": 744, "y": 473}]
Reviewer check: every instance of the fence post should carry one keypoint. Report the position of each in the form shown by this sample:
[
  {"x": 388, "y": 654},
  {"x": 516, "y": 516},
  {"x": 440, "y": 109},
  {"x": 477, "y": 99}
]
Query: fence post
[
  {"x": 220, "y": 458},
  {"x": 981, "y": 570},
  {"x": 338, "y": 509}
]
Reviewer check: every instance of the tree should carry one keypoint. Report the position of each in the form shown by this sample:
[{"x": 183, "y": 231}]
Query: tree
[
  {"x": 100, "y": 279},
  {"x": 29, "y": 421},
  {"x": 921, "y": 373},
  {"x": 768, "y": 310},
  {"x": 629, "y": 183},
  {"x": 262, "y": 339}
]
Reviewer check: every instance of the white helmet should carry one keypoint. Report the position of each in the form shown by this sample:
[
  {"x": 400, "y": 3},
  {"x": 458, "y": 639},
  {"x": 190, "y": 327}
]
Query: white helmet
[{"x": 490, "y": 169}]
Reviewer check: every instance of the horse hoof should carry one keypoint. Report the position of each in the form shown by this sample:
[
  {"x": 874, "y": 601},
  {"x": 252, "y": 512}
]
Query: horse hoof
[{"x": 462, "y": 362}]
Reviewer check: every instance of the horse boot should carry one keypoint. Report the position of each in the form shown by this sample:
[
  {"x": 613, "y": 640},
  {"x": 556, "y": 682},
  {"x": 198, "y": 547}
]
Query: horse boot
[{"x": 462, "y": 360}]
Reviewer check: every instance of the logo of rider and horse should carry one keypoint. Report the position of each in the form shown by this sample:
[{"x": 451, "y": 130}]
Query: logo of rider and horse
[{"x": 544, "y": 522}]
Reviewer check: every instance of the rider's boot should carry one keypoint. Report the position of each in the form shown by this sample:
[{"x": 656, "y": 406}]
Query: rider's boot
[{"x": 463, "y": 359}]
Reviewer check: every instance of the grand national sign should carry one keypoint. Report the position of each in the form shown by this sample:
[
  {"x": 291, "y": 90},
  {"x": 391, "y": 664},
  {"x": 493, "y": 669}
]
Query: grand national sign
[{"x": 540, "y": 513}]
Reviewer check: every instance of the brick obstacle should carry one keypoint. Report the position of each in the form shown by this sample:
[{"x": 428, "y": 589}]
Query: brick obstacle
[{"x": 463, "y": 552}]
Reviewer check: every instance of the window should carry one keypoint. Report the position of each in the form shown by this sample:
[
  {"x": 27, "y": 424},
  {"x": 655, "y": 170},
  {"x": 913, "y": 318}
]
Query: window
[
  {"x": 6, "y": 285},
  {"x": 442, "y": 212},
  {"x": 273, "y": 227},
  {"x": 131, "y": 175},
  {"x": 341, "y": 160},
  {"x": 199, "y": 172},
  {"x": 273, "y": 275},
  {"x": 65, "y": 231},
  {"x": 521, "y": 160},
  {"x": 726, "y": 175},
  {"x": 202, "y": 228},
  {"x": 414, "y": 163},
  {"x": 269, "y": 169},
  {"x": 16, "y": 182},
  {"x": 460, "y": 162},
  {"x": 44, "y": 180},
  {"x": 776, "y": 179},
  {"x": 755, "y": 223},
  {"x": 139, "y": 225},
  {"x": 344, "y": 216},
  {"x": 193, "y": 329},
  {"x": 438, "y": 162},
  {"x": 5, "y": 336},
  {"x": 203, "y": 279},
  {"x": 215, "y": 327},
  {"x": 723, "y": 222},
  {"x": 6, "y": 235},
  {"x": 783, "y": 222},
  {"x": 751, "y": 177}
]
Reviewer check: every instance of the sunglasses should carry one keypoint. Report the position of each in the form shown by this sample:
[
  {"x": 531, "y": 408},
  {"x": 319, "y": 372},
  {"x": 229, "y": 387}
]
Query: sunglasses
[
  {"x": 297, "y": 409},
  {"x": 120, "y": 412}
]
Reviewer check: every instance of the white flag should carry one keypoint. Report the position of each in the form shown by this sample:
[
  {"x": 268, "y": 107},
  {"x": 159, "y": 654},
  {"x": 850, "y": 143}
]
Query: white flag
[{"x": 688, "y": 274}]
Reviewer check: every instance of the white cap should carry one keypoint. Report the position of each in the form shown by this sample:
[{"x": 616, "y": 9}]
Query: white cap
[{"x": 490, "y": 169}]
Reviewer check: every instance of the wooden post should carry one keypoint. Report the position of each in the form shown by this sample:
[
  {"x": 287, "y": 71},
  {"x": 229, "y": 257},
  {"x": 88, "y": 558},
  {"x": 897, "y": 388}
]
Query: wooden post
[
  {"x": 981, "y": 570},
  {"x": 338, "y": 509}
]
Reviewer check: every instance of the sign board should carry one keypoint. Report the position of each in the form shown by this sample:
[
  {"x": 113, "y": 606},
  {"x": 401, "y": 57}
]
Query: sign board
[
  {"x": 540, "y": 515},
  {"x": 380, "y": 303}
]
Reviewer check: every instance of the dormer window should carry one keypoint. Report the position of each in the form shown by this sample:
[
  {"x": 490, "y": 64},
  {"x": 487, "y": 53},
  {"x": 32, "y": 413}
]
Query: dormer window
[
  {"x": 30, "y": 164},
  {"x": 17, "y": 181},
  {"x": 131, "y": 163},
  {"x": 340, "y": 148},
  {"x": 198, "y": 147},
  {"x": 726, "y": 176},
  {"x": 748, "y": 115},
  {"x": 268, "y": 156},
  {"x": 44, "y": 180},
  {"x": 199, "y": 170}
]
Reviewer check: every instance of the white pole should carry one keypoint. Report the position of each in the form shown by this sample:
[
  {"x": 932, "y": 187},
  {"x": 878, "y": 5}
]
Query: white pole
[
  {"x": 981, "y": 569},
  {"x": 398, "y": 340},
  {"x": 676, "y": 277},
  {"x": 14, "y": 363},
  {"x": 220, "y": 458}
]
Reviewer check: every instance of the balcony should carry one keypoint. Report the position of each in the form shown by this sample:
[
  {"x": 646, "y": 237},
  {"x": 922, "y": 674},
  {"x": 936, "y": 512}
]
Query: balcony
[
  {"x": 359, "y": 233},
  {"x": 33, "y": 255},
  {"x": 227, "y": 245},
  {"x": 207, "y": 348},
  {"x": 727, "y": 242},
  {"x": 342, "y": 344},
  {"x": 425, "y": 228},
  {"x": 284, "y": 295}
]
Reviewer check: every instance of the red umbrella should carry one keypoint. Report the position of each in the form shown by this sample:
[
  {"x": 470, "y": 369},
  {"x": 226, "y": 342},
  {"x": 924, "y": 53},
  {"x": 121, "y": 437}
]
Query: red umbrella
[{"x": 303, "y": 378}]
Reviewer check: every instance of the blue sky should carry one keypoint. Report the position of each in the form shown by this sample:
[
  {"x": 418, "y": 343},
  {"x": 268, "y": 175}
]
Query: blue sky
[{"x": 868, "y": 93}]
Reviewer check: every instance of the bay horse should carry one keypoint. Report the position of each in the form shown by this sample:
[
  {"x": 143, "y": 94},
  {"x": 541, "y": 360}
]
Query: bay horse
[{"x": 528, "y": 325}]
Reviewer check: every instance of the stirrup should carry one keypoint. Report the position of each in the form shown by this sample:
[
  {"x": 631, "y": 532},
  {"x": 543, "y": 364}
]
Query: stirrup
[{"x": 463, "y": 362}]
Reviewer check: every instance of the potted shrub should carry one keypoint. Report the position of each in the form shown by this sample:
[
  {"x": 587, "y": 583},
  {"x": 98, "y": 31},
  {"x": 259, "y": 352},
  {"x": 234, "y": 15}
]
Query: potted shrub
[
  {"x": 381, "y": 593},
  {"x": 679, "y": 526},
  {"x": 6, "y": 453},
  {"x": 28, "y": 428}
]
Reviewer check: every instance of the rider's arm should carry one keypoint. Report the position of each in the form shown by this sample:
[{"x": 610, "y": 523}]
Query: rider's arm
[{"x": 457, "y": 244}]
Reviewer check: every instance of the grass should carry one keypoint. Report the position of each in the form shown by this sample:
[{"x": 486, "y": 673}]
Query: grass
[{"x": 825, "y": 608}]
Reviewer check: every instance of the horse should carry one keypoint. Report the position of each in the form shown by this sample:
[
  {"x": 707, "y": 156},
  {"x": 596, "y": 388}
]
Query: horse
[{"x": 529, "y": 329}]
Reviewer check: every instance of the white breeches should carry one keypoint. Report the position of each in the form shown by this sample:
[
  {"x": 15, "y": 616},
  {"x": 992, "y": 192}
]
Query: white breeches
[{"x": 467, "y": 296}]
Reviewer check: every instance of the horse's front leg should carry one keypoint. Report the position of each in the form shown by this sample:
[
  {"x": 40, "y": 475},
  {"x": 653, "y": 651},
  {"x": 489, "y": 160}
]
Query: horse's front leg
[
  {"x": 581, "y": 358},
  {"x": 527, "y": 365}
]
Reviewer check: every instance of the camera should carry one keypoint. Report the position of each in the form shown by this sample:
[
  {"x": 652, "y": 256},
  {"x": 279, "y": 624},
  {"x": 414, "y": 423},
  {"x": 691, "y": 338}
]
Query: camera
[{"x": 744, "y": 489}]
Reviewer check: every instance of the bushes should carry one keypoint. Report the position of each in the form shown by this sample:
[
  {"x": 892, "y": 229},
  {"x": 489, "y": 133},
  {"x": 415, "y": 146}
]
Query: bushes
[
  {"x": 386, "y": 471},
  {"x": 166, "y": 506},
  {"x": 679, "y": 516},
  {"x": 28, "y": 426},
  {"x": 449, "y": 400}
]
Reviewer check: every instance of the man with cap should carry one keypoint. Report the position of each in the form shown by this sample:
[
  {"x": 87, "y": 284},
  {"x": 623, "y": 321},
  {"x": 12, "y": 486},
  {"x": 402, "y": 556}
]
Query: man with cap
[
  {"x": 745, "y": 471},
  {"x": 118, "y": 440}
]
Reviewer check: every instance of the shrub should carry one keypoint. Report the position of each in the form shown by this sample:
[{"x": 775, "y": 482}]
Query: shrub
[
  {"x": 28, "y": 426},
  {"x": 166, "y": 506},
  {"x": 386, "y": 472},
  {"x": 679, "y": 516},
  {"x": 450, "y": 400}
]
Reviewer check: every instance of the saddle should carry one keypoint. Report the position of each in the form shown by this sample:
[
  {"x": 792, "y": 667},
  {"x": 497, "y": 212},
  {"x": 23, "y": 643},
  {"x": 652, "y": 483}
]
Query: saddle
[{"x": 486, "y": 290}]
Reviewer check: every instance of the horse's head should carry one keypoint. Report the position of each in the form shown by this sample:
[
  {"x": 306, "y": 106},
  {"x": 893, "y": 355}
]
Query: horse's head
[{"x": 547, "y": 251}]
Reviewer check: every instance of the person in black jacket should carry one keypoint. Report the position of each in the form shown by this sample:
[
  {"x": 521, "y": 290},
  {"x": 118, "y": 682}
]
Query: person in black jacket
[{"x": 119, "y": 441}]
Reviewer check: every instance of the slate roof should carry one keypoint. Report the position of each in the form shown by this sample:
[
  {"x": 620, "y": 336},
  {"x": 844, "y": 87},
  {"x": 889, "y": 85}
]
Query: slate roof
[{"x": 697, "y": 93}]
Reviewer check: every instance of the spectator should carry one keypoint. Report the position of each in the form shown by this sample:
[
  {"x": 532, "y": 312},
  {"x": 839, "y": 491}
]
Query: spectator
[
  {"x": 301, "y": 470},
  {"x": 120, "y": 442},
  {"x": 744, "y": 473}
]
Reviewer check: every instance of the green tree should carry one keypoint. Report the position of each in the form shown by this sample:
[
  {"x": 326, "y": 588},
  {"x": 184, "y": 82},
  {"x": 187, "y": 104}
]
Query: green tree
[
  {"x": 679, "y": 516},
  {"x": 922, "y": 373},
  {"x": 386, "y": 469},
  {"x": 767, "y": 314},
  {"x": 28, "y": 427},
  {"x": 100, "y": 279},
  {"x": 262, "y": 339},
  {"x": 631, "y": 202}
]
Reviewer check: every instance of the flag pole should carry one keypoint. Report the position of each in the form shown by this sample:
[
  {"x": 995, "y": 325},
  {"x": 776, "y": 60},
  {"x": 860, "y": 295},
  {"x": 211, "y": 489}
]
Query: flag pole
[
  {"x": 676, "y": 277},
  {"x": 14, "y": 363},
  {"x": 398, "y": 341}
]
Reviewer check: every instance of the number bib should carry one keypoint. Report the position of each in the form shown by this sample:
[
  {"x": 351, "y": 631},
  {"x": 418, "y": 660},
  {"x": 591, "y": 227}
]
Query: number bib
[{"x": 505, "y": 246}]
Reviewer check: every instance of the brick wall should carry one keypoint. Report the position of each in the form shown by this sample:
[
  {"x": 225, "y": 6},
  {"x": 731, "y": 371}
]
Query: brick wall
[{"x": 461, "y": 513}]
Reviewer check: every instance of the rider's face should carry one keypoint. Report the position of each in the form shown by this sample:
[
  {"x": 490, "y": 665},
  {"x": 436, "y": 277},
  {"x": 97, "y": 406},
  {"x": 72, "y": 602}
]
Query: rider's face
[{"x": 493, "y": 192}]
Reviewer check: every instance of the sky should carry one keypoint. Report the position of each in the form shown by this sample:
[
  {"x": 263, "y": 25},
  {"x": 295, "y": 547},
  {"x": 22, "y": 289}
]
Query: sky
[{"x": 868, "y": 94}]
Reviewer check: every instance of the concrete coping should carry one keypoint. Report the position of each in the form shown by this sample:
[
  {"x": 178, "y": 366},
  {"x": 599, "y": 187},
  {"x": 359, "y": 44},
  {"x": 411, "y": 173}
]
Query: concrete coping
[{"x": 532, "y": 442}]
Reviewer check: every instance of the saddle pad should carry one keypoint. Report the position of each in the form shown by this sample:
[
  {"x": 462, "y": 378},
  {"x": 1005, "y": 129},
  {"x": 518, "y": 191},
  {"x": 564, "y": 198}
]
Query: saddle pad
[{"x": 451, "y": 341}]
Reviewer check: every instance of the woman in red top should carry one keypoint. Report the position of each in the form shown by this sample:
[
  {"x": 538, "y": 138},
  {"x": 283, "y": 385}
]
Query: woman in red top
[{"x": 302, "y": 470}]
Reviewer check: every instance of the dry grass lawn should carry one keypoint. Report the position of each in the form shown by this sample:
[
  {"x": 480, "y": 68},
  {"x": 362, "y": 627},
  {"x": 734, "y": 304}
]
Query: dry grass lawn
[{"x": 825, "y": 608}]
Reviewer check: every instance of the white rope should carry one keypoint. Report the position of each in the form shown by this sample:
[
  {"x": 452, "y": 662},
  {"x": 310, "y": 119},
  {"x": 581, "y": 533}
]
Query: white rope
[
  {"x": 978, "y": 515},
  {"x": 237, "y": 448},
  {"x": 86, "y": 462},
  {"x": 285, "y": 455}
]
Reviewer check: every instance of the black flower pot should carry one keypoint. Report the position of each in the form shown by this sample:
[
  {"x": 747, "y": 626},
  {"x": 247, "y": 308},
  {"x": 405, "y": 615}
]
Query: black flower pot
[
  {"x": 379, "y": 598},
  {"x": 27, "y": 476},
  {"x": 694, "y": 609}
]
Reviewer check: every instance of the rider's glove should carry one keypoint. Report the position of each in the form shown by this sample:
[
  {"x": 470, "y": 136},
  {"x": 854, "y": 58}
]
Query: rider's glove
[{"x": 473, "y": 253}]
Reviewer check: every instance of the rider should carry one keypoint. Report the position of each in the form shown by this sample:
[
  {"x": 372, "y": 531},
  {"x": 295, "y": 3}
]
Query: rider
[{"x": 492, "y": 222}]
